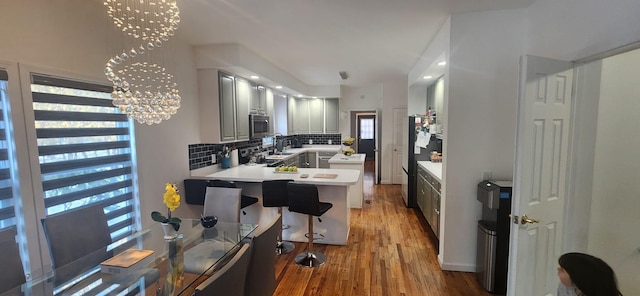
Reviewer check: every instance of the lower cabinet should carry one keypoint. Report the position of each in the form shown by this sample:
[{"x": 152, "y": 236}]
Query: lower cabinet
[{"x": 428, "y": 199}]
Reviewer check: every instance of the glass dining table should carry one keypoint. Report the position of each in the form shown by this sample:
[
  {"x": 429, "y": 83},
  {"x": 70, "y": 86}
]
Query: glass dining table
[{"x": 176, "y": 267}]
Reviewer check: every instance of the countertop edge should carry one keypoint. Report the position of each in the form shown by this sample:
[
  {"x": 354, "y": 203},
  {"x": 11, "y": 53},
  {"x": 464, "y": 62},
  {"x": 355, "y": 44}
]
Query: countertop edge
[{"x": 433, "y": 168}]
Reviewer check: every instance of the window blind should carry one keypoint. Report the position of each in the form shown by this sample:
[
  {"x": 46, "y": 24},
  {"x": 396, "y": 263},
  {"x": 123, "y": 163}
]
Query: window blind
[
  {"x": 85, "y": 150},
  {"x": 7, "y": 201}
]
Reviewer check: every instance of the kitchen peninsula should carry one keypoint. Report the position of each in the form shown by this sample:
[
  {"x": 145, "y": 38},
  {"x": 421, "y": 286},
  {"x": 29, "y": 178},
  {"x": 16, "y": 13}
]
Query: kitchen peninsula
[
  {"x": 356, "y": 162},
  {"x": 334, "y": 228}
]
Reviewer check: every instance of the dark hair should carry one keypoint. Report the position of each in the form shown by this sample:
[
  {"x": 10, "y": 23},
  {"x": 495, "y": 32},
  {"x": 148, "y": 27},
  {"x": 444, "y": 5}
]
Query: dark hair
[{"x": 591, "y": 275}]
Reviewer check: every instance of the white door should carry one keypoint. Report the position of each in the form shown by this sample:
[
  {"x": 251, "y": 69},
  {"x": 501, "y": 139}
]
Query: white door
[
  {"x": 544, "y": 113},
  {"x": 399, "y": 129}
]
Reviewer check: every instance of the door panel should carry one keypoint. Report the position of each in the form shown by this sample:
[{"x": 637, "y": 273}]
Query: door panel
[
  {"x": 399, "y": 134},
  {"x": 366, "y": 135},
  {"x": 540, "y": 174}
]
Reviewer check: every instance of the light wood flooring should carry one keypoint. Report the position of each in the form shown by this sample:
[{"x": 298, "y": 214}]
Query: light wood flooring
[{"x": 391, "y": 251}]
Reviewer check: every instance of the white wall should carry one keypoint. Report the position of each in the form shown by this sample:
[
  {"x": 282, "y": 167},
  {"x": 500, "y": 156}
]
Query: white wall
[
  {"x": 573, "y": 29},
  {"x": 417, "y": 103},
  {"x": 615, "y": 204},
  {"x": 69, "y": 36},
  {"x": 480, "y": 109}
]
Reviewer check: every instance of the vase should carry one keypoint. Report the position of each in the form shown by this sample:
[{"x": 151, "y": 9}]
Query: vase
[
  {"x": 174, "y": 277},
  {"x": 169, "y": 231}
]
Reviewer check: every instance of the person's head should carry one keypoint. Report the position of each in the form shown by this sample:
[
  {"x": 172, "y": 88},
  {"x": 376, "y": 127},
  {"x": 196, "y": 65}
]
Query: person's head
[{"x": 591, "y": 275}]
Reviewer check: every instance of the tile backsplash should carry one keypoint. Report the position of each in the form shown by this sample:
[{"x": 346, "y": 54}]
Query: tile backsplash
[{"x": 200, "y": 154}]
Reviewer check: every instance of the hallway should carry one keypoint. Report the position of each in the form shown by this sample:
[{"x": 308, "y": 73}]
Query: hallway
[{"x": 391, "y": 251}]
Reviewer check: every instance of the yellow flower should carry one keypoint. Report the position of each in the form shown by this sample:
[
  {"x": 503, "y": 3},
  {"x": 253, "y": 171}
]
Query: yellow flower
[{"x": 171, "y": 198}]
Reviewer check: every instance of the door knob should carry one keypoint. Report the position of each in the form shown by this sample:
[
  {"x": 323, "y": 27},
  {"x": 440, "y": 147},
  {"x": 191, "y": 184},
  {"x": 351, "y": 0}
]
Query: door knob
[{"x": 524, "y": 220}]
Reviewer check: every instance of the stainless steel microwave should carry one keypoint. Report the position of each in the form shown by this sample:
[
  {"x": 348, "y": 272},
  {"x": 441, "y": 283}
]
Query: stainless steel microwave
[{"x": 258, "y": 126}]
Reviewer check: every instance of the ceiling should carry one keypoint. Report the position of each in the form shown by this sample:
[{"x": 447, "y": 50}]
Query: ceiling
[{"x": 313, "y": 40}]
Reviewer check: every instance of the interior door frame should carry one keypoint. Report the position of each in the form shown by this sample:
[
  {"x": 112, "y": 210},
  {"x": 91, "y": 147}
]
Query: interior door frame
[{"x": 356, "y": 134}]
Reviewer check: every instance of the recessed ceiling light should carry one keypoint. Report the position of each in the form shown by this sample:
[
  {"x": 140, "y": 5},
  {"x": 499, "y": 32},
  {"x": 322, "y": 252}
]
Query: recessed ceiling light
[
  {"x": 278, "y": 86},
  {"x": 254, "y": 77},
  {"x": 427, "y": 77},
  {"x": 314, "y": 97},
  {"x": 299, "y": 96},
  {"x": 442, "y": 63}
]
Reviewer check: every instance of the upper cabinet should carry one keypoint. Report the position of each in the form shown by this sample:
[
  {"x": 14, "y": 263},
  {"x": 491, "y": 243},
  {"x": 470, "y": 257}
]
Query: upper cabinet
[
  {"x": 225, "y": 101},
  {"x": 301, "y": 116},
  {"x": 331, "y": 116},
  {"x": 316, "y": 116},
  {"x": 312, "y": 116},
  {"x": 435, "y": 101},
  {"x": 259, "y": 99},
  {"x": 243, "y": 97}
]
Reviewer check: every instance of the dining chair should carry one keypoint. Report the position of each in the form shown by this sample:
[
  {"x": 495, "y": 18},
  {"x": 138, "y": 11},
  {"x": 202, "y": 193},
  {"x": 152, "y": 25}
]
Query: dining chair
[
  {"x": 223, "y": 203},
  {"x": 230, "y": 279},
  {"x": 12, "y": 275},
  {"x": 245, "y": 200},
  {"x": 261, "y": 276},
  {"x": 79, "y": 236},
  {"x": 78, "y": 241}
]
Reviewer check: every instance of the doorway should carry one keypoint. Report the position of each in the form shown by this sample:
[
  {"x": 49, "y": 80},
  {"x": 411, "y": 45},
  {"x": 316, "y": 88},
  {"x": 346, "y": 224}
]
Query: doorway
[
  {"x": 600, "y": 203},
  {"x": 366, "y": 134},
  {"x": 366, "y": 130}
]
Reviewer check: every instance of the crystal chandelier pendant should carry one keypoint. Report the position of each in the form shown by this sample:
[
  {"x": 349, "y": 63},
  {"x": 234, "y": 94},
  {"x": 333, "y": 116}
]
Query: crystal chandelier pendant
[{"x": 142, "y": 89}]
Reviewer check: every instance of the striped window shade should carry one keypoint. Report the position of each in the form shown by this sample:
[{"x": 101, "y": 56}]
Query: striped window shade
[
  {"x": 7, "y": 164},
  {"x": 86, "y": 150}
]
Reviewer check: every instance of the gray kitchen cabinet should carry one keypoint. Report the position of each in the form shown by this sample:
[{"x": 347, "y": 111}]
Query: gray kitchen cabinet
[
  {"x": 291, "y": 115},
  {"x": 323, "y": 159},
  {"x": 301, "y": 116},
  {"x": 227, "y": 107},
  {"x": 435, "y": 207},
  {"x": 311, "y": 159},
  {"x": 420, "y": 190},
  {"x": 243, "y": 96},
  {"x": 428, "y": 199},
  {"x": 316, "y": 116},
  {"x": 258, "y": 99},
  {"x": 269, "y": 108},
  {"x": 302, "y": 160},
  {"x": 331, "y": 116}
]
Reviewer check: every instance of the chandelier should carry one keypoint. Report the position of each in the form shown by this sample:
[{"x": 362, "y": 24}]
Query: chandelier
[{"x": 142, "y": 89}]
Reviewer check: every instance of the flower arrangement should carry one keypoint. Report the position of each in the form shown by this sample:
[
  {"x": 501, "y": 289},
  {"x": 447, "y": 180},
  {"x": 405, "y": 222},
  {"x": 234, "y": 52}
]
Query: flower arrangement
[
  {"x": 171, "y": 198},
  {"x": 348, "y": 141}
]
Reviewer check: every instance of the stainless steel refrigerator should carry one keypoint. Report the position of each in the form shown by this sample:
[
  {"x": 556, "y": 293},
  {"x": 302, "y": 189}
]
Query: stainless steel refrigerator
[{"x": 413, "y": 154}]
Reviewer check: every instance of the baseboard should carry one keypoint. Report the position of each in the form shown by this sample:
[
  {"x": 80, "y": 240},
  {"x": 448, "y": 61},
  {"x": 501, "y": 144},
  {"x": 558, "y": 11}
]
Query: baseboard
[{"x": 457, "y": 267}]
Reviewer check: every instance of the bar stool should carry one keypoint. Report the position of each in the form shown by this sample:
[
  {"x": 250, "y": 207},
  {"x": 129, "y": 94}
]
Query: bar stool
[
  {"x": 274, "y": 194},
  {"x": 245, "y": 200},
  {"x": 303, "y": 199}
]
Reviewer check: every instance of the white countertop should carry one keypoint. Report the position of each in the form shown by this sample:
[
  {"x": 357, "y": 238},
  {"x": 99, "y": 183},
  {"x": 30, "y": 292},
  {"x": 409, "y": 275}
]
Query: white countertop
[
  {"x": 341, "y": 158},
  {"x": 434, "y": 168},
  {"x": 291, "y": 152},
  {"x": 245, "y": 173}
]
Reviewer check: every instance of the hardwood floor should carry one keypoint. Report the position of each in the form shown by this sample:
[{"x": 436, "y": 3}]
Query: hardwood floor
[{"x": 391, "y": 251}]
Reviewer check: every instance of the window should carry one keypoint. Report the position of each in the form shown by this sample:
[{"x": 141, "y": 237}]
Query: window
[
  {"x": 366, "y": 128},
  {"x": 85, "y": 150},
  {"x": 8, "y": 203}
]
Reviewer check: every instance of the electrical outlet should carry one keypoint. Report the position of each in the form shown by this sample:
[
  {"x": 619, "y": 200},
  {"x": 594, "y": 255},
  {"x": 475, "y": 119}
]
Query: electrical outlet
[
  {"x": 486, "y": 175},
  {"x": 214, "y": 159}
]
